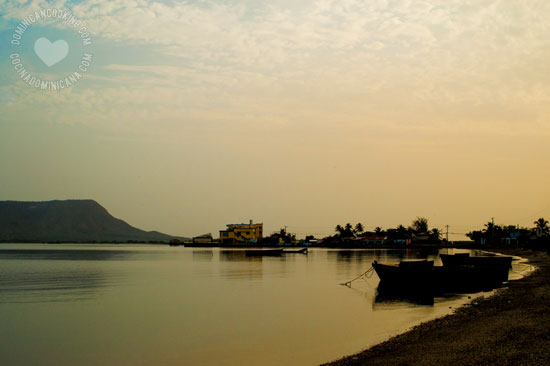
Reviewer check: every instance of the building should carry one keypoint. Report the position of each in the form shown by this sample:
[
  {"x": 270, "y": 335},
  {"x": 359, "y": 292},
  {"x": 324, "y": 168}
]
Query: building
[
  {"x": 203, "y": 239},
  {"x": 242, "y": 233},
  {"x": 373, "y": 239}
]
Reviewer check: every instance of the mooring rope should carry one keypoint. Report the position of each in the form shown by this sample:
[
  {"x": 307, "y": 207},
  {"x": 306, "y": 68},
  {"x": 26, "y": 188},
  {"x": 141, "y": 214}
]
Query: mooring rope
[{"x": 367, "y": 274}]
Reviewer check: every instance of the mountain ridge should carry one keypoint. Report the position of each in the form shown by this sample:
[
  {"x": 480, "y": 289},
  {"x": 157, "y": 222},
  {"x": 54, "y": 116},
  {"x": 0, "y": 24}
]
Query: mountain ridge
[{"x": 75, "y": 220}]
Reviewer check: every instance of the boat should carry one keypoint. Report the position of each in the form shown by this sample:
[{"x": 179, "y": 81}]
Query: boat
[
  {"x": 422, "y": 277},
  {"x": 488, "y": 268},
  {"x": 297, "y": 251},
  {"x": 406, "y": 273},
  {"x": 263, "y": 252},
  {"x": 458, "y": 259},
  {"x": 482, "y": 261}
]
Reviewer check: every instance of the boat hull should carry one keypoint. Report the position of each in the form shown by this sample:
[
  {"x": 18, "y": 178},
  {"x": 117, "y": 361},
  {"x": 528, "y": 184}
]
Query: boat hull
[
  {"x": 420, "y": 278},
  {"x": 464, "y": 259},
  {"x": 406, "y": 274},
  {"x": 263, "y": 252}
]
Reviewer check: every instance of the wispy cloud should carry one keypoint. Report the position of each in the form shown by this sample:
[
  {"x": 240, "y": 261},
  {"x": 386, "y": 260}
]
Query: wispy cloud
[{"x": 427, "y": 57}]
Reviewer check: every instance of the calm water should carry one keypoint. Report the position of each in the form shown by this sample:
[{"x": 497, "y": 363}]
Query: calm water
[{"x": 155, "y": 305}]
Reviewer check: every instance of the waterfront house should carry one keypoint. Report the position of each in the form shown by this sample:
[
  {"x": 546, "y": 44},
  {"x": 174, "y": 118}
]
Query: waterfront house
[
  {"x": 373, "y": 239},
  {"x": 242, "y": 233},
  {"x": 203, "y": 239}
]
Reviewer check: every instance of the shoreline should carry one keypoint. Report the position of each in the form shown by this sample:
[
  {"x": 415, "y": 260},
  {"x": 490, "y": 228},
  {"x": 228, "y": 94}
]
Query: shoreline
[{"x": 512, "y": 327}]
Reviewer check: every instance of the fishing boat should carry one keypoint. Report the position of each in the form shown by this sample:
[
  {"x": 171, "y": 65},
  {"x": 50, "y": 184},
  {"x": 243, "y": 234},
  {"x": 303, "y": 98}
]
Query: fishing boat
[
  {"x": 297, "y": 251},
  {"x": 263, "y": 252},
  {"x": 406, "y": 273},
  {"x": 461, "y": 259},
  {"x": 488, "y": 268},
  {"x": 422, "y": 277}
]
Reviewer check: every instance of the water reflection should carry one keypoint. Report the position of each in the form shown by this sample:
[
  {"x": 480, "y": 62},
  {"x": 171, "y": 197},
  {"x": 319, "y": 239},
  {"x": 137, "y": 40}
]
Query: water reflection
[
  {"x": 386, "y": 255},
  {"x": 389, "y": 294},
  {"x": 50, "y": 285},
  {"x": 236, "y": 265},
  {"x": 54, "y": 275},
  {"x": 237, "y": 256},
  {"x": 66, "y": 254},
  {"x": 203, "y": 255},
  {"x": 202, "y": 306}
]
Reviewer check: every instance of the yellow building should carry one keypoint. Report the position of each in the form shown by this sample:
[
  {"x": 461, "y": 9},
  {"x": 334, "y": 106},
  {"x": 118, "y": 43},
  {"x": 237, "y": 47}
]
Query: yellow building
[{"x": 242, "y": 233}]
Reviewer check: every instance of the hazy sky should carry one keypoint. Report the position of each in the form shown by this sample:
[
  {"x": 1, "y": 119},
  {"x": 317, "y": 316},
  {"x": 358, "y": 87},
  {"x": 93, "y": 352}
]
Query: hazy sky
[{"x": 195, "y": 114}]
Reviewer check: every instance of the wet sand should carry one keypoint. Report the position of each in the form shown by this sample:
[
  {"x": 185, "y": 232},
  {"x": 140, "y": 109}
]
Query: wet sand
[{"x": 510, "y": 328}]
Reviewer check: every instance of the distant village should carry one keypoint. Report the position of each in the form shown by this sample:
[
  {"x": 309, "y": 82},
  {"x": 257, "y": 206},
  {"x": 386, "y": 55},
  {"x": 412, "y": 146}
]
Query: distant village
[{"x": 348, "y": 235}]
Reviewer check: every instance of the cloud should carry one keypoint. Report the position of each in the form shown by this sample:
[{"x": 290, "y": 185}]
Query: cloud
[{"x": 395, "y": 61}]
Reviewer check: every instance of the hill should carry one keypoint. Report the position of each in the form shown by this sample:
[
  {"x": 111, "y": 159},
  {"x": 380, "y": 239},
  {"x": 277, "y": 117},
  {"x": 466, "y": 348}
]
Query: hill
[{"x": 67, "y": 221}]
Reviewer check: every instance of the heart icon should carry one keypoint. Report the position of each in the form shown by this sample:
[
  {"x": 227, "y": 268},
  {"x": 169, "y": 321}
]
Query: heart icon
[{"x": 51, "y": 53}]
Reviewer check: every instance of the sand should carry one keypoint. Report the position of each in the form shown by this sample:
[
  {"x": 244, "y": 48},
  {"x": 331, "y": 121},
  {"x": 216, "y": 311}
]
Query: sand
[{"x": 510, "y": 328}]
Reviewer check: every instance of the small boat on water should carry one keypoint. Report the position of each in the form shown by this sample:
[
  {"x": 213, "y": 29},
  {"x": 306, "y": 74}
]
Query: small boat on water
[
  {"x": 464, "y": 259},
  {"x": 486, "y": 268},
  {"x": 419, "y": 277},
  {"x": 263, "y": 252},
  {"x": 468, "y": 278},
  {"x": 406, "y": 273},
  {"x": 297, "y": 251}
]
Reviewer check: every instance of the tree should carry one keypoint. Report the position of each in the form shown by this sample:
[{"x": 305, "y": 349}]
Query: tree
[
  {"x": 435, "y": 234},
  {"x": 402, "y": 231},
  {"x": 346, "y": 231},
  {"x": 378, "y": 230},
  {"x": 420, "y": 225},
  {"x": 359, "y": 228},
  {"x": 542, "y": 228},
  {"x": 489, "y": 227}
]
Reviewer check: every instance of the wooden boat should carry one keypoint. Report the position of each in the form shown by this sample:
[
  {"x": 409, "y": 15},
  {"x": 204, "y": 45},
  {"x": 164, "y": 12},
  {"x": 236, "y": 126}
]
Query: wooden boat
[
  {"x": 298, "y": 251},
  {"x": 263, "y": 252},
  {"x": 419, "y": 278},
  {"x": 458, "y": 259},
  {"x": 406, "y": 273},
  {"x": 464, "y": 259}
]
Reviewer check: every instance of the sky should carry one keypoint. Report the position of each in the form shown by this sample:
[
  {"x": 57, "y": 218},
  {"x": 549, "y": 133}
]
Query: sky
[{"x": 195, "y": 114}]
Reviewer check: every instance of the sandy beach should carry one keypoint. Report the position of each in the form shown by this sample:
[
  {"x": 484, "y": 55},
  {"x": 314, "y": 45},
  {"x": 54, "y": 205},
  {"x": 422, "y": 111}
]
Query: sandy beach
[{"x": 510, "y": 328}]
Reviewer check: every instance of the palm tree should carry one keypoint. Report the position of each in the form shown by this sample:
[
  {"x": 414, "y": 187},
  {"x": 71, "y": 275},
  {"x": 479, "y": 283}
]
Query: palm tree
[
  {"x": 435, "y": 234},
  {"x": 542, "y": 227},
  {"x": 420, "y": 225},
  {"x": 347, "y": 232},
  {"x": 339, "y": 229},
  {"x": 378, "y": 230},
  {"x": 359, "y": 228}
]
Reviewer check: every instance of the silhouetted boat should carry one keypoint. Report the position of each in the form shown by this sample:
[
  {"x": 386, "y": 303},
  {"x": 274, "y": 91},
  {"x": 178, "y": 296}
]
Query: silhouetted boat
[
  {"x": 461, "y": 259},
  {"x": 263, "y": 252},
  {"x": 406, "y": 273},
  {"x": 488, "y": 268},
  {"x": 419, "y": 278},
  {"x": 298, "y": 251}
]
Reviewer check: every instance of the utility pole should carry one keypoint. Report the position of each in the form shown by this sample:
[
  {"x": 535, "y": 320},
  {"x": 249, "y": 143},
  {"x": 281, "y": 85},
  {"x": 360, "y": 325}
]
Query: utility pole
[
  {"x": 447, "y": 235},
  {"x": 492, "y": 230}
]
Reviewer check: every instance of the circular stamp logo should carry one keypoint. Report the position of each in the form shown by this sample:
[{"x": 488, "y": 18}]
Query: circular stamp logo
[{"x": 46, "y": 53}]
